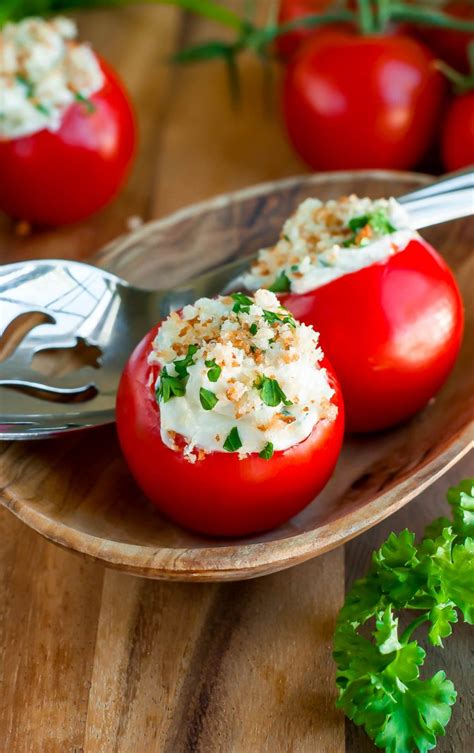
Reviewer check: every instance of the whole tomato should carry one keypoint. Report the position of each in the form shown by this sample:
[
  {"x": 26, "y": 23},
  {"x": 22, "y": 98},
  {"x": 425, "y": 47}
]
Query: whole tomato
[
  {"x": 458, "y": 133},
  {"x": 451, "y": 45},
  {"x": 291, "y": 10},
  {"x": 354, "y": 101},
  {"x": 58, "y": 177},
  {"x": 392, "y": 332},
  {"x": 219, "y": 495}
]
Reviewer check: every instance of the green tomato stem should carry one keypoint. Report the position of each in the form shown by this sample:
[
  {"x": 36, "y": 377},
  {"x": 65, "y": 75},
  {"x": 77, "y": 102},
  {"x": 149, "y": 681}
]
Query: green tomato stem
[
  {"x": 423, "y": 14},
  {"x": 367, "y": 23}
]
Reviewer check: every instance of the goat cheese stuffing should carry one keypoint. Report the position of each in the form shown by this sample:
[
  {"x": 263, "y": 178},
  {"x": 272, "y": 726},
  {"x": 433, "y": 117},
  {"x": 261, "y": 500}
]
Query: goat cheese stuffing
[
  {"x": 43, "y": 70},
  {"x": 323, "y": 241},
  {"x": 238, "y": 374}
]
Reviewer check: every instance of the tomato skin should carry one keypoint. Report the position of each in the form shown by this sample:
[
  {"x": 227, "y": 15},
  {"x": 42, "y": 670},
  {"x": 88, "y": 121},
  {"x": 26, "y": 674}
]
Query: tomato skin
[
  {"x": 59, "y": 177},
  {"x": 392, "y": 332},
  {"x": 451, "y": 45},
  {"x": 219, "y": 495},
  {"x": 458, "y": 133},
  {"x": 353, "y": 102},
  {"x": 290, "y": 10}
]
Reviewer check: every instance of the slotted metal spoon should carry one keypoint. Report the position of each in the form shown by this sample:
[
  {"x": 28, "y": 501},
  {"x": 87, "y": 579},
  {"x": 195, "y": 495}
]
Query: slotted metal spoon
[{"x": 79, "y": 303}]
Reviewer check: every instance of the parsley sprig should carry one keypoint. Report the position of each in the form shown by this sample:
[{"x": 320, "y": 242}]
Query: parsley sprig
[
  {"x": 175, "y": 386},
  {"x": 376, "y": 221},
  {"x": 271, "y": 392},
  {"x": 379, "y": 676}
]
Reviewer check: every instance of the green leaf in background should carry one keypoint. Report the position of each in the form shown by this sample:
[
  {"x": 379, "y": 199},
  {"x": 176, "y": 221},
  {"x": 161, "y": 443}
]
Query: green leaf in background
[{"x": 281, "y": 284}]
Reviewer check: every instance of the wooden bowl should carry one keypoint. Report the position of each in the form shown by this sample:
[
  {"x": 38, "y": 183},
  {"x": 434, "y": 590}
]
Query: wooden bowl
[{"x": 77, "y": 491}]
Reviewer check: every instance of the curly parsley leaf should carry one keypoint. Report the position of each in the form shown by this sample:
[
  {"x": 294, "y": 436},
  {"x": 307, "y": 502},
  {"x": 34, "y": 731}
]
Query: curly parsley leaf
[
  {"x": 281, "y": 284},
  {"x": 169, "y": 386},
  {"x": 242, "y": 303},
  {"x": 233, "y": 441},
  {"x": 214, "y": 370},
  {"x": 377, "y": 222},
  {"x": 267, "y": 451},
  {"x": 273, "y": 317},
  {"x": 378, "y": 676},
  {"x": 208, "y": 399},
  {"x": 181, "y": 365},
  {"x": 271, "y": 392}
]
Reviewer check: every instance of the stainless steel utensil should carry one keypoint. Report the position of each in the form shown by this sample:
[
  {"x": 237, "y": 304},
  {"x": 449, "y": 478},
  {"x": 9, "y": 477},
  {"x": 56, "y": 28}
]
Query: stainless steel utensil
[{"x": 78, "y": 306}]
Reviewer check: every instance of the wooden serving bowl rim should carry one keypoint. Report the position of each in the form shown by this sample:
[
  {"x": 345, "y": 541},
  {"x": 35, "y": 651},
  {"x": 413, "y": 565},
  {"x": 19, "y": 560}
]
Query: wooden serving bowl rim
[{"x": 240, "y": 560}]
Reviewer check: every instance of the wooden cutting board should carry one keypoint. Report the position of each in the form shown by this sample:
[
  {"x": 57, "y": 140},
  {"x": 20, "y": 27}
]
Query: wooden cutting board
[{"x": 94, "y": 661}]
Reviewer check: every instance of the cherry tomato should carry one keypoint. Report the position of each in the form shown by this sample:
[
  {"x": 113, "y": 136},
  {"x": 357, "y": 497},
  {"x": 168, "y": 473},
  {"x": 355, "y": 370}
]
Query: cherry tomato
[
  {"x": 291, "y": 10},
  {"x": 458, "y": 133},
  {"x": 392, "y": 332},
  {"x": 360, "y": 102},
  {"x": 220, "y": 494},
  {"x": 58, "y": 177},
  {"x": 449, "y": 44}
]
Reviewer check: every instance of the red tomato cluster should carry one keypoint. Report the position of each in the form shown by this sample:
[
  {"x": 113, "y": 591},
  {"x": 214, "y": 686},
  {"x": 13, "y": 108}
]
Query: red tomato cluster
[{"x": 374, "y": 101}]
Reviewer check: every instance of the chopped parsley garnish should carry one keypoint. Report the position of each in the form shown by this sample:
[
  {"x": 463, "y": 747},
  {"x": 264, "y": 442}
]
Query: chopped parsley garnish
[
  {"x": 27, "y": 84},
  {"x": 267, "y": 451},
  {"x": 286, "y": 237},
  {"x": 233, "y": 441},
  {"x": 378, "y": 221},
  {"x": 272, "y": 316},
  {"x": 214, "y": 370},
  {"x": 169, "y": 386},
  {"x": 89, "y": 105},
  {"x": 181, "y": 365},
  {"x": 281, "y": 284},
  {"x": 253, "y": 328},
  {"x": 42, "y": 108},
  {"x": 242, "y": 303},
  {"x": 207, "y": 398},
  {"x": 271, "y": 392}
]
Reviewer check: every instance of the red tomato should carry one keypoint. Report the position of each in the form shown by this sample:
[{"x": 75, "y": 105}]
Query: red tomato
[
  {"x": 458, "y": 133},
  {"x": 392, "y": 332},
  {"x": 361, "y": 102},
  {"x": 291, "y": 10},
  {"x": 448, "y": 44},
  {"x": 57, "y": 177},
  {"x": 219, "y": 495}
]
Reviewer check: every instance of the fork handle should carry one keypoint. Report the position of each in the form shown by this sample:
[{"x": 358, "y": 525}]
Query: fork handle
[{"x": 449, "y": 198}]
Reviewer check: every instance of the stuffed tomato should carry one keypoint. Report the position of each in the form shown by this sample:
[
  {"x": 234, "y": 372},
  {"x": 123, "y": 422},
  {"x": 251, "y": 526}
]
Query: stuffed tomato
[
  {"x": 229, "y": 417},
  {"x": 67, "y": 129},
  {"x": 386, "y": 305}
]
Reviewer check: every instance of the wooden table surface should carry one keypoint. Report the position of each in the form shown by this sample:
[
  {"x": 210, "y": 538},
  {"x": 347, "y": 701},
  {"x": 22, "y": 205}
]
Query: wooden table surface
[{"x": 94, "y": 661}]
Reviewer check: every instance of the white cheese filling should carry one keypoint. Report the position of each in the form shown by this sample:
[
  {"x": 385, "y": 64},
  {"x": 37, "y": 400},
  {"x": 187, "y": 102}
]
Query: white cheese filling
[
  {"x": 43, "y": 70},
  {"x": 323, "y": 241},
  {"x": 253, "y": 383}
]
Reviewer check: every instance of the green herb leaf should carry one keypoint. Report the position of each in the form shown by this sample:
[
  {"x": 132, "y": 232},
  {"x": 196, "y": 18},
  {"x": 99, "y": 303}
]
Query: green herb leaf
[
  {"x": 88, "y": 103},
  {"x": 267, "y": 451},
  {"x": 378, "y": 221},
  {"x": 182, "y": 364},
  {"x": 272, "y": 317},
  {"x": 207, "y": 398},
  {"x": 253, "y": 328},
  {"x": 214, "y": 370},
  {"x": 378, "y": 678},
  {"x": 233, "y": 441},
  {"x": 169, "y": 386},
  {"x": 242, "y": 303},
  {"x": 281, "y": 284},
  {"x": 271, "y": 392}
]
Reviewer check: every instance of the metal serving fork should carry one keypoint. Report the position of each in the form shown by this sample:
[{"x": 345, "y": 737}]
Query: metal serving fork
[{"x": 78, "y": 304}]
